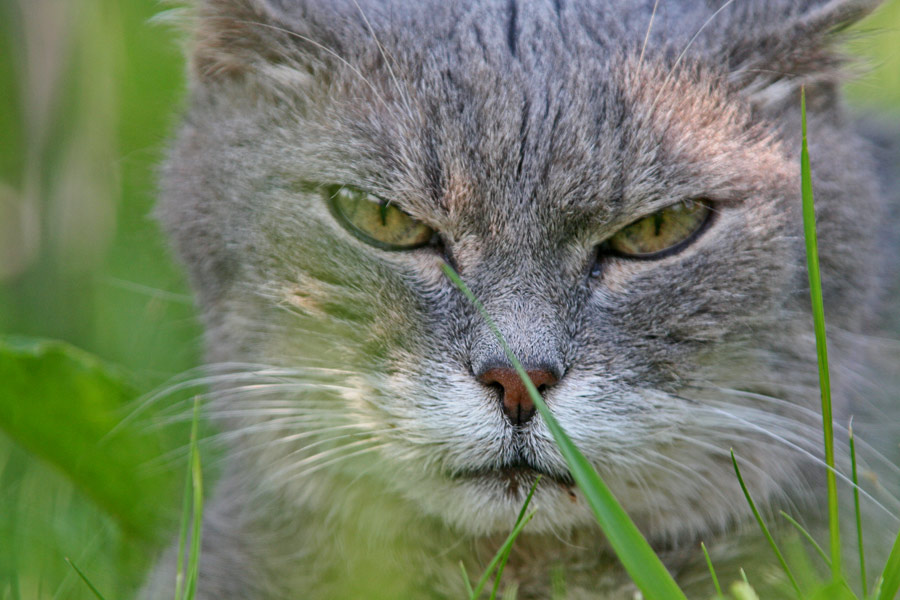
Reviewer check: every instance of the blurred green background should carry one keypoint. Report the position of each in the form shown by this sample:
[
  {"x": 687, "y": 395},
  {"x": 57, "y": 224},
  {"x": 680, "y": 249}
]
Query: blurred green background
[{"x": 89, "y": 93}]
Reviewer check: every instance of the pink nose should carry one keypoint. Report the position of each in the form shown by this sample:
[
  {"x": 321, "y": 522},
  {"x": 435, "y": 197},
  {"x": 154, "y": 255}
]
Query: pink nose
[{"x": 517, "y": 404}]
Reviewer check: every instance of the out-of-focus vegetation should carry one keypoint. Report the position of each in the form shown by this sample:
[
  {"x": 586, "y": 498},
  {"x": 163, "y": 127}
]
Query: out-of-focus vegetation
[{"x": 89, "y": 92}]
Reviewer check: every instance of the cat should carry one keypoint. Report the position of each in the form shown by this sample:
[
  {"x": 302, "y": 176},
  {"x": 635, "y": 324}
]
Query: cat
[{"x": 617, "y": 182}]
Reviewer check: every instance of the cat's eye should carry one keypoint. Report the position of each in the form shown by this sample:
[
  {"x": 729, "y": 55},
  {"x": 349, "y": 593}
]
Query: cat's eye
[
  {"x": 376, "y": 221},
  {"x": 663, "y": 233}
]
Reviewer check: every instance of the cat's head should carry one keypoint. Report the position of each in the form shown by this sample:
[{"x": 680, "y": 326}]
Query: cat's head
[{"x": 625, "y": 205}]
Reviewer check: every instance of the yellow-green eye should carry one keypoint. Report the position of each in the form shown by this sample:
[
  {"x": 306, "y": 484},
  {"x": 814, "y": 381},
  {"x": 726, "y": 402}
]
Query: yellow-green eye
[
  {"x": 376, "y": 221},
  {"x": 662, "y": 233}
]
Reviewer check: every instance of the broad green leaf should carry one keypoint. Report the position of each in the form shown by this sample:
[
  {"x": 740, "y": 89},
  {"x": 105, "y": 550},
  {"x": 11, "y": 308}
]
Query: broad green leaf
[{"x": 60, "y": 403}]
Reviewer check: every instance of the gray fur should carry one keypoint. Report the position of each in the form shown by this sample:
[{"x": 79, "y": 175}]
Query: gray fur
[{"x": 526, "y": 133}]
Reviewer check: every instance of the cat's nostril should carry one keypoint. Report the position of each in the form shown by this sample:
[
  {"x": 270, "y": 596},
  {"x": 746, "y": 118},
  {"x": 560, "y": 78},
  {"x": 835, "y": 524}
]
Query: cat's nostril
[{"x": 516, "y": 402}]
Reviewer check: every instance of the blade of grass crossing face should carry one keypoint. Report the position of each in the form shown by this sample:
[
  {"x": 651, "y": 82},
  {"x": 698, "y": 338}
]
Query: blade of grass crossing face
[
  {"x": 85, "y": 579},
  {"x": 808, "y": 537},
  {"x": 818, "y": 310},
  {"x": 712, "y": 571},
  {"x": 890, "y": 578},
  {"x": 506, "y": 554},
  {"x": 762, "y": 526},
  {"x": 197, "y": 490},
  {"x": 858, "y": 512},
  {"x": 636, "y": 555}
]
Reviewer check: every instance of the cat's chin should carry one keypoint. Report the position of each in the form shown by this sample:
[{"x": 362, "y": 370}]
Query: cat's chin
[
  {"x": 512, "y": 479},
  {"x": 488, "y": 501}
]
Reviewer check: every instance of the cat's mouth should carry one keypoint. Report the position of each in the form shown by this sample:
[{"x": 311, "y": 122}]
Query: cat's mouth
[{"x": 518, "y": 475}]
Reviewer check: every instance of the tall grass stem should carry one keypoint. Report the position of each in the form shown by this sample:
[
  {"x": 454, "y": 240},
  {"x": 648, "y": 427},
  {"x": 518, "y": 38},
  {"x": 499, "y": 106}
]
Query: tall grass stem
[
  {"x": 712, "y": 571},
  {"x": 858, "y": 512},
  {"x": 762, "y": 526},
  {"x": 818, "y": 310},
  {"x": 197, "y": 492},
  {"x": 505, "y": 555},
  {"x": 809, "y": 538},
  {"x": 85, "y": 579}
]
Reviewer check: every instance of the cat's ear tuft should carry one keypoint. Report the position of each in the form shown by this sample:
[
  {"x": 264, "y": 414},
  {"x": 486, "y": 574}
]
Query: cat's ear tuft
[
  {"x": 240, "y": 38},
  {"x": 774, "y": 46}
]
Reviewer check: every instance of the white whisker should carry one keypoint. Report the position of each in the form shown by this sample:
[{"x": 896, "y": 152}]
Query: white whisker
[
  {"x": 808, "y": 455},
  {"x": 684, "y": 52}
]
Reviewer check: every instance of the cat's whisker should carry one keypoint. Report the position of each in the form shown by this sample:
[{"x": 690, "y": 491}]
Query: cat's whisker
[
  {"x": 326, "y": 49},
  {"x": 251, "y": 395},
  {"x": 313, "y": 463},
  {"x": 176, "y": 455},
  {"x": 404, "y": 95},
  {"x": 141, "y": 404},
  {"x": 331, "y": 462},
  {"x": 369, "y": 434},
  {"x": 647, "y": 35},
  {"x": 747, "y": 465},
  {"x": 809, "y": 455},
  {"x": 270, "y": 416},
  {"x": 683, "y": 53},
  {"x": 308, "y": 458},
  {"x": 814, "y": 427}
]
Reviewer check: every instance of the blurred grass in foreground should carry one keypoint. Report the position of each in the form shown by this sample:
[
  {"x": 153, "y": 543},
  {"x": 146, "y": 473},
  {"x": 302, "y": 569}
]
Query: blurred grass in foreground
[{"x": 89, "y": 90}]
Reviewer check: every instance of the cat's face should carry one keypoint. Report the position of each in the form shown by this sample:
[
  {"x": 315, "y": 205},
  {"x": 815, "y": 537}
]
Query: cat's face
[{"x": 519, "y": 153}]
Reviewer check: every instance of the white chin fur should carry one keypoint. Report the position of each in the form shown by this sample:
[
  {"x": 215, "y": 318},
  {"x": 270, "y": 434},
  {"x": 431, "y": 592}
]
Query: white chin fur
[{"x": 487, "y": 505}]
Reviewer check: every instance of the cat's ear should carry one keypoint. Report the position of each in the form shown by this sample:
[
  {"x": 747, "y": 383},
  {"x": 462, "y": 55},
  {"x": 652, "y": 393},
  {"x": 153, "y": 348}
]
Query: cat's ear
[
  {"x": 774, "y": 46},
  {"x": 252, "y": 38}
]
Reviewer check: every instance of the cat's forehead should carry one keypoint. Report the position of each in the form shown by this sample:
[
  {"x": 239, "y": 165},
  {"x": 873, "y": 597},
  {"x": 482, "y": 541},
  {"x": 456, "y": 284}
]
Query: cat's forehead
[
  {"x": 521, "y": 104},
  {"x": 580, "y": 139}
]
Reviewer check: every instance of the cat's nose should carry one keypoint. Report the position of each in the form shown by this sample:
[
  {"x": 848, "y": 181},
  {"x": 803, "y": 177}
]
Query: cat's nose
[{"x": 517, "y": 404}]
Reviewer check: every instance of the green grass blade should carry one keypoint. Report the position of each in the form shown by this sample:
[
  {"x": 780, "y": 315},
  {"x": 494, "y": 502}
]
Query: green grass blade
[
  {"x": 504, "y": 548},
  {"x": 742, "y": 590},
  {"x": 506, "y": 554},
  {"x": 762, "y": 526},
  {"x": 85, "y": 579},
  {"x": 808, "y": 537},
  {"x": 558, "y": 584},
  {"x": 890, "y": 578},
  {"x": 636, "y": 555},
  {"x": 712, "y": 571},
  {"x": 182, "y": 533},
  {"x": 858, "y": 512},
  {"x": 465, "y": 576},
  {"x": 818, "y": 310},
  {"x": 197, "y": 491}
]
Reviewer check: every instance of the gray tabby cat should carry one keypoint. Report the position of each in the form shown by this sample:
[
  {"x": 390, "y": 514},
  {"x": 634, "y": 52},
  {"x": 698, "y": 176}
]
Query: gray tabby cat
[{"x": 623, "y": 197}]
